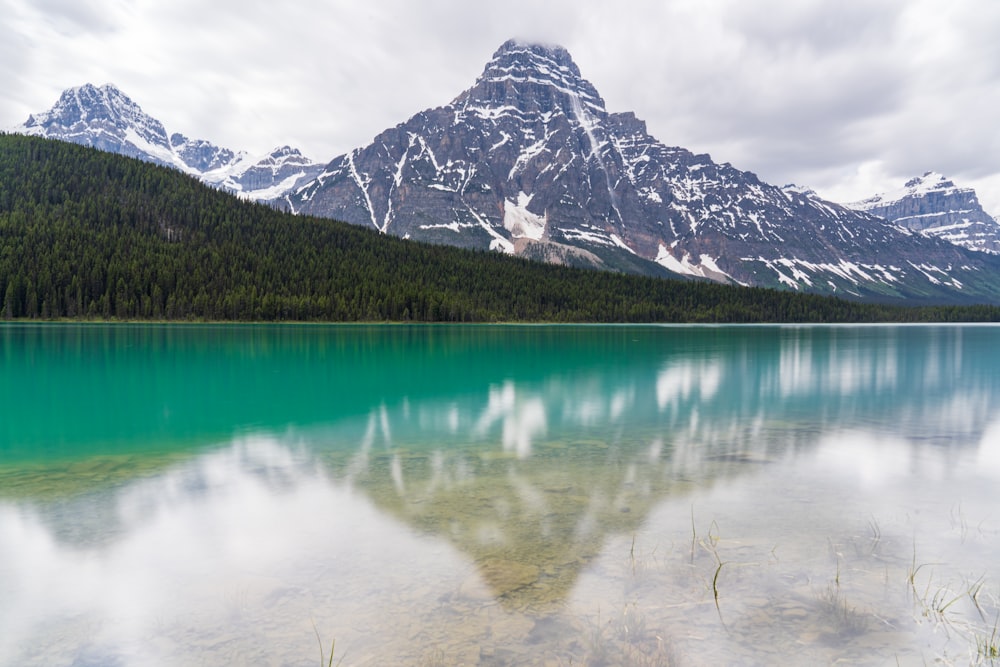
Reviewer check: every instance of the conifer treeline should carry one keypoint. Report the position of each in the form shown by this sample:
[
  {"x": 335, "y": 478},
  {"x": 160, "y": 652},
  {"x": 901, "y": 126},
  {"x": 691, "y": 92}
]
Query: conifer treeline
[{"x": 89, "y": 234}]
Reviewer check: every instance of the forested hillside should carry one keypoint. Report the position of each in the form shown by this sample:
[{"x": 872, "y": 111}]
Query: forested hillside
[{"x": 88, "y": 234}]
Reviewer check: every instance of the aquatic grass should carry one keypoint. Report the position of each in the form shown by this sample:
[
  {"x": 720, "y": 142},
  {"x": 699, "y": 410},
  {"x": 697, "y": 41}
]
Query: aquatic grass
[
  {"x": 323, "y": 660},
  {"x": 844, "y": 610},
  {"x": 694, "y": 534},
  {"x": 633, "y": 623},
  {"x": 988, "y": 646},
  {"x": 641, "y": 566},
  {"x": 958, "y": 521},
  {"x": 624, "y": 639},
  {"x": 659, "y": 657},
  {"x": 715, "y": 587},
  {"x": 711, "y": 545},
  {"x": 847, "y": 620},
  {"x": 876, "y": 535},
  {"x": 845, "y": 607},
  {"x": 975, "y": 588},
  {"x": 597, "y": 645},
  {"x": 940, "y": 602},
  {"x": 911, "y": 573},
  {"x": 935, "y": 605}
]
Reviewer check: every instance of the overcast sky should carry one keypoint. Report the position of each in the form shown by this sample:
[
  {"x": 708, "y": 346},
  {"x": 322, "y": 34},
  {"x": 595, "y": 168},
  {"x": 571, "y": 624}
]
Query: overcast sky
[{"x": 850, "y": 97}]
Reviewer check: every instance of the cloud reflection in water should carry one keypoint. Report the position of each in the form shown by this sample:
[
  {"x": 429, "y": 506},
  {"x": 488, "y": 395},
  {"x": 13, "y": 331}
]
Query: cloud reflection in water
[
  {"x": 498, "y": 491},
  {"x": 221, "y": 559}
]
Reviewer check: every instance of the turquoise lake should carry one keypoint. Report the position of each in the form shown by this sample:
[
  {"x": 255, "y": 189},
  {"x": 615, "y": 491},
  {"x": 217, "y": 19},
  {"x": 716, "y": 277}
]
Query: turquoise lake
[{"x": 499, "y": 495}]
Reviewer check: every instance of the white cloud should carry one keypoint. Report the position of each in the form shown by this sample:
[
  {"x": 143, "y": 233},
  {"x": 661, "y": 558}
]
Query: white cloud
[{"x": 848, "y": 97}]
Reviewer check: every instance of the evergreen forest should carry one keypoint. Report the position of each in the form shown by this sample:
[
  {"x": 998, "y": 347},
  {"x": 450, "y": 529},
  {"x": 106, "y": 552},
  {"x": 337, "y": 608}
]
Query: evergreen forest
[{"x": 86, "y": 234}]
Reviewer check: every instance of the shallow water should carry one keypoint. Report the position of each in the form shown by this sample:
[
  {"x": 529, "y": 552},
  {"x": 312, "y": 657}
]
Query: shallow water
[{"x": 506, "y": 495}]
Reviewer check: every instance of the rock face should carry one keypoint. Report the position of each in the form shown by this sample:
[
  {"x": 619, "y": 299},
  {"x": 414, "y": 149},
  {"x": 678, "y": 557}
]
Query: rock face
[
  {"x": 266, "y": 177},
  {"x": 105, "y": 118},
  {"x": 934, "y": 206},
  {"x": 529, "y": 161}
]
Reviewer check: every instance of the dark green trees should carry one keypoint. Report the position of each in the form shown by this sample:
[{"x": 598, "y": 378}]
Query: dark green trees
[{"x": 87, "y": 234}]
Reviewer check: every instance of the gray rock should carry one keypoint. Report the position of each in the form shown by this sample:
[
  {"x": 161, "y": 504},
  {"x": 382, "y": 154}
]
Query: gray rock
[
  {"x": 107, "y": 119},
  {"x": 934, "y": 206},
  {"x": 529, "y": 157}
]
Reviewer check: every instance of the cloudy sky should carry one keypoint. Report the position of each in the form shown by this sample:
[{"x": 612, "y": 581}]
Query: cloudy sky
[{"x": 850, "y": 97}]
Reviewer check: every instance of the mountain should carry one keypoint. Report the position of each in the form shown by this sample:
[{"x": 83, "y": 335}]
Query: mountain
[
  {"x": 90, "y": 234},
  {"x": 105, "y": 118},
  {"x": 263, "y": 178},
  {"x": 529, "y": 161},
  {"x": 934, "y": 206}
]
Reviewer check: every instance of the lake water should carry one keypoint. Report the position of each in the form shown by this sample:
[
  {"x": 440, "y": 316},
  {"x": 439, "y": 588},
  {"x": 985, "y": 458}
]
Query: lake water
[{"x": 499, "y": 495}]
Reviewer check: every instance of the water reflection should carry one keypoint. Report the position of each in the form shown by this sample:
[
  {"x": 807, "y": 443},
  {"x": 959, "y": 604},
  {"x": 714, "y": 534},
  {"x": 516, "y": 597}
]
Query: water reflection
[
  {"x": 479, "y": 495},
  {"x": 223, "y": 560}
]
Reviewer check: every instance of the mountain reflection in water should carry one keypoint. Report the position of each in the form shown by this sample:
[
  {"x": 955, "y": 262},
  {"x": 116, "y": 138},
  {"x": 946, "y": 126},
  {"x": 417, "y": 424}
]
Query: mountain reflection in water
[{"x": 497, "y": 495}]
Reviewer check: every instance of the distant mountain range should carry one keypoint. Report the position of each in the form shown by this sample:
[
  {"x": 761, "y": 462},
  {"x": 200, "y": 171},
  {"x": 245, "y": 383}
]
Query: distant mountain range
[
  {"x": 934, "y": 206},
  {"x": 528, "y": 161},
  {"x": 107, "y": 119}
]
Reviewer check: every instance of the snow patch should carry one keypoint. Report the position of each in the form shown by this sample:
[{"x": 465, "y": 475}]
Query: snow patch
[
  {"x": 794, "y": 272},
  {"x": 621, "y": 244},
  {"x": 917, "y": 187},
  {"x": 705, "y": 268},
  {"x": 273, "y": 192},
  {"x": 453, "y": 226},
  {"x": 588, "y": 236},
  {"x": 519, "y": 221},
  {"x": 506, "y": 138},
  {"x": 526, "y": 156}
]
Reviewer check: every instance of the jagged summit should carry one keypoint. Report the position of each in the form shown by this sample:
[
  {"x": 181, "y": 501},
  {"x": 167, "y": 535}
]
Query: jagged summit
[
  {"x": 515, "y": 57},
  {"x": 106, "y": 118},
  {"x": 930, "y": 180},
  {"x": 796, "y": 189},
  {"x": 103, "y": 117},
  {"x": 918, "y": 186},
  {"x": 532, "y": 78},
  {"x": 88, "y": 102}
]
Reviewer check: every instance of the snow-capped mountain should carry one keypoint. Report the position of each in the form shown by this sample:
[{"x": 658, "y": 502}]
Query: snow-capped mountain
[
  {"x": 529, "y": 161},
  {"x": 934, "y": 206},
  {"x": 105, "y": 118},
  {"x": 266, "y": 177}
]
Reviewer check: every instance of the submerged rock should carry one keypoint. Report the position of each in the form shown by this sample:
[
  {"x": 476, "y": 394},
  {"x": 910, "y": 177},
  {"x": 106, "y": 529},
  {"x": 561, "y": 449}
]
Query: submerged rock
[{"x": 505, "y": 576}]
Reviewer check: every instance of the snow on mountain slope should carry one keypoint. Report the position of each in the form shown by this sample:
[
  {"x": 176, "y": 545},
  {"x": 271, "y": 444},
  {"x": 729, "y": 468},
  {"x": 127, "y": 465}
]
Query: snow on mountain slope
[
  {"x": 105, "y": 118},
  {"x": 529, "y": 161},
  {"x": 934, "y": 206}
]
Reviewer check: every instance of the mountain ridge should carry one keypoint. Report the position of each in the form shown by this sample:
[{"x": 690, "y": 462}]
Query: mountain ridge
[
  {"x": 528, "y": 161},
  {"x": 87, "y": 234},
  {"x": 104, "y": 117},
  {"x": 934, "y": 206}
]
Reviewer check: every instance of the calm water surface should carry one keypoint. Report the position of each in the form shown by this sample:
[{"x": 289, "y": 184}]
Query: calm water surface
[{"x": 507, "y": 495}]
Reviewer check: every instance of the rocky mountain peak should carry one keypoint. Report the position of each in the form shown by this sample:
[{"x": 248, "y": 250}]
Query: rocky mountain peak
[
  {"x": 930, "y": 180},
  {"x": 528, "y": 161},
  {"x": 794, "y": 188},
  {"x": 523, "y": 58},
  {"x": 106, "y": 118},
  {"x": 532, "y": 78},
  {"x": 88, "y": 101},
  {"x": 934, "y": 206},
  {"x": 199, "y": 154},
  {"x": 102, "y": 115},
  {"x": 287, "y": 154}
]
